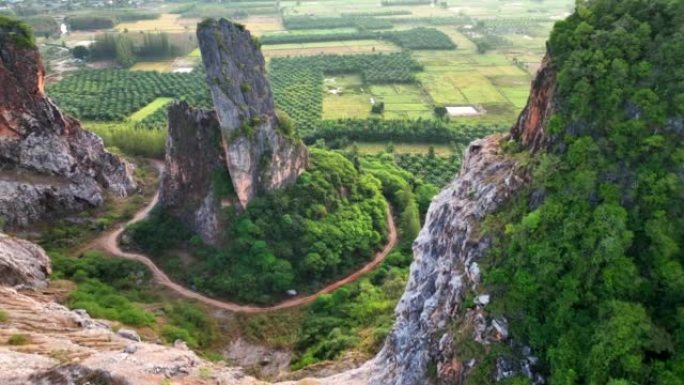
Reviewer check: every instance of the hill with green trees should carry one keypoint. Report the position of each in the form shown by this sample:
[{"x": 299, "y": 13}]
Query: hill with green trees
[{"x": 588, "y": 263}]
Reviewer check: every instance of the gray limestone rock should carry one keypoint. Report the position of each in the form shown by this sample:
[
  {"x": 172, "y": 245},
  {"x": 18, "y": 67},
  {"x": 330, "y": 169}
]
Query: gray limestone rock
[
  {"x": 48, "y": 164},
  {"x": 260, "y": 155},
  {"x": 22, "y": 263}
]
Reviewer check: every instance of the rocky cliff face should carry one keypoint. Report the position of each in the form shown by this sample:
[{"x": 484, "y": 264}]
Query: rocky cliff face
[
  {"x": 239, "y": 149},
  {"x": 259, "y": 156},
  {"x": 22, "y": 263},
  {"x": 194, "y": 163},
  {"x": 530, "y": 129},
  {"x": 48, "y": 163},
  {"x": 443, "y": 329}
]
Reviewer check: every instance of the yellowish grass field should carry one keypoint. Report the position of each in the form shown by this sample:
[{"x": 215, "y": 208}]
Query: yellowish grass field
[
  {"x": 160, "y": 66},
  {"x": 404, "y": 148},
  {"x": 149, "y": 109},
  {"x": 165, "y": 23},
  {"x": 334, "y": 47},
  {"x": 258, "y": 25}
]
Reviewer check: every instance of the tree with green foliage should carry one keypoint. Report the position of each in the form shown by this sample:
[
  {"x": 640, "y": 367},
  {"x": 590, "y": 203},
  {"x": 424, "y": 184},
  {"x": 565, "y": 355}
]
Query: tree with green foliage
[
  {"x": 80, "y": 52},
  {"x": 17, "y": 32},
  {"x": 592, "y": 275}
]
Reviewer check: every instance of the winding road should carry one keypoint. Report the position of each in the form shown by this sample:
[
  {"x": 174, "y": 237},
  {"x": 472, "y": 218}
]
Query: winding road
[{"x": 109, "y": 242}]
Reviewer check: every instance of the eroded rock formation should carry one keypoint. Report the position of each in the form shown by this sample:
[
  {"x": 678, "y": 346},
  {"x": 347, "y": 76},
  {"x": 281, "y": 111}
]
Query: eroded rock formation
[
  {"x": 436, "y": 326},
  {"x": 239, "y": 149},
  {"x": 67, "y": 347},
  {"x": 48, "y": 163},
  {"x": 530, "y": 129},
  {"x": 22, "y": 263},
  {"x": 259, "y": 154},
  {"x": 194, "y": 166}
]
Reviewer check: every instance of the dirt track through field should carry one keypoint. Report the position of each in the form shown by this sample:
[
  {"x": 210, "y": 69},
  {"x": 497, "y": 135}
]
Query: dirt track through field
[{"x": 109, "y": 242}]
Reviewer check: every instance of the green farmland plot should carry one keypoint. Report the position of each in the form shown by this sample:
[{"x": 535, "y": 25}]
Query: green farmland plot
[{"x": 149, "y": 109}]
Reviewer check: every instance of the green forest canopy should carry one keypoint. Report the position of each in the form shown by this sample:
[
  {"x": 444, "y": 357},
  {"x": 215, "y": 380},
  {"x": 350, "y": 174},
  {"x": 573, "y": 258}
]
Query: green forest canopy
[{"x": 592, "y": 276}]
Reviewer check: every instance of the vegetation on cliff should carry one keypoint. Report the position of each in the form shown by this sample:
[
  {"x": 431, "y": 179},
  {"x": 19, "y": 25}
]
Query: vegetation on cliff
[
  {"x": 114, "y": 289},
  {"x": 588, "y": 266},
  {"x": 322, "y": 227},
  {"x": 16, "y": 32}
]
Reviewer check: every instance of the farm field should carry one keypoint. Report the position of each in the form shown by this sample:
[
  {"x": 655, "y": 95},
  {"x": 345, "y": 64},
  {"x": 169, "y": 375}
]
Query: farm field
[
  {"x": 495, "y": 82},
  {"x": 404, "y": 148},
  {"x": 165, "y": 23},
  {"x": 497, "y": 47},
  {"x": 340, "y": 48},
  {"x": 160, "y": 66},
  {"x": 149, "y": 109},
  {"x": 259, "y": 25}
]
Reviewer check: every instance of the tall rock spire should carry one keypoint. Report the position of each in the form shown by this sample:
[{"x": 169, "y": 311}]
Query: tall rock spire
[{"x": 258, "y": 154}]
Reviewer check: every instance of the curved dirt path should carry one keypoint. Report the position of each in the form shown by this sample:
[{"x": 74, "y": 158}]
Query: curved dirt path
[{"x": 109, "y": 242}]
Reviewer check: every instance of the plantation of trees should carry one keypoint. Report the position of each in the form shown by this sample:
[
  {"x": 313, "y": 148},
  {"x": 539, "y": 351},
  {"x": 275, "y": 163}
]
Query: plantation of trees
[
  {"x": 232, "y": 9},
  {"x": 415, "y": 39},
  {"x": 92, "y": 21},
  {"x": 391, "y": 12},
  {"x": 126, "y": 51},
  {"x": 297, "y": 91},
  {"x": 407, "y": 131},
  {"x": 432, "y": 168},
  {"x": 311, "y": 22},
  {"x": 437, "y": 20},
  {"x": 114, "y": 94},
  {"x": 405, "y": 2},
  {"x": 297, "y": 81},
  {"x": 374, "y": 68},
  {"x": 42, "y": 25}
]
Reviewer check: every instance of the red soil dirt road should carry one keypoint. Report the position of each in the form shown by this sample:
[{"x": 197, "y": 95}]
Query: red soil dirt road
[{"x": 109, "y": 242}]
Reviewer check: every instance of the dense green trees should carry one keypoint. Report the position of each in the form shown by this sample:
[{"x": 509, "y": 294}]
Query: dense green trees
[
  {"x": 117, "y": 47},
  {"x": 17, "y": 32},
  {"x": 360, "y": 315},
  {"x": 122, "y": 47},
  {"x": 415, "y": 39},
  {"x": 592, "y": 277},
  {"x": 332, "y": 220},
  {"x": 112, "y": 94},
  {"x": 406, "y": 131},
  {"x": 317, "y": 22},
  {"x": 107, "y": 20}
]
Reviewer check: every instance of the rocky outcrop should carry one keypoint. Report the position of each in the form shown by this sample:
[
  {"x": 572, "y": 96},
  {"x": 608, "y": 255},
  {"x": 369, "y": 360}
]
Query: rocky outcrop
[
  {"x": 259, "y": 154},
  {"x": 48, "y": 163},
  {"x": 530, "y": 129},
  {"x": 194, "y": 165},
  {"x": 68, "y": 347},
  {"x": 443, "y": 331},
  {"x": 229, "y": 155},
  {"x": 22, "y": 263},
  {"x": 444, "y": 271},
  {"x": 63, "y": 349}
]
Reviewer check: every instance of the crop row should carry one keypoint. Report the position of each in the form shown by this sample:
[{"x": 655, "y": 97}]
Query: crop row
[
  {"x": 406, "y": 131},
  {"x": 416, "y": 38},
  {"x": 112, "y": 94},
  {"x": 315, "y": 22}
]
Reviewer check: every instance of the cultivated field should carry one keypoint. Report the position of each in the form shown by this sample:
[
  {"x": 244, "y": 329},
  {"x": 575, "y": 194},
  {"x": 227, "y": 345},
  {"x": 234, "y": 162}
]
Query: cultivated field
[{"x": 480, "y": 55}]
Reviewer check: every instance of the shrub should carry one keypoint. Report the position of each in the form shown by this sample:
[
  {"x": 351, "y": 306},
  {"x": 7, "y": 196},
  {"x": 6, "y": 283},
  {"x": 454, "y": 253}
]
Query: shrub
[
  {"x": 3, "y": 316},
  {"x": 172, "y": 333},
  {"x": 18, "y": 339},
  {"x": 17, "y": 32}
]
